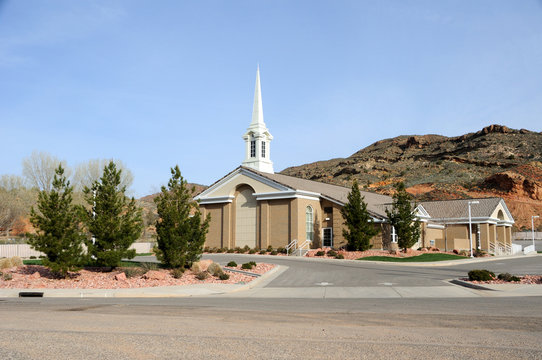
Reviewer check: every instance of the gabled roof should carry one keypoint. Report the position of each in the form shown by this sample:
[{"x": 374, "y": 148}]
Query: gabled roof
[
  {"x": 442, "y": 210},
  {"x": 375, "y": 202}
]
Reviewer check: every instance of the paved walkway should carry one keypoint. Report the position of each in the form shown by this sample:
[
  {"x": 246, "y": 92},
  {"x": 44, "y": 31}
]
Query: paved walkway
[{"x": 334, "y": 279}]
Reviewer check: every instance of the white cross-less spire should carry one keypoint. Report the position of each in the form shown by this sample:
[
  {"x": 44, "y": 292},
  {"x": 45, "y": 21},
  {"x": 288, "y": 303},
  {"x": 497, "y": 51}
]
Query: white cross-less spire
[
  {"x": 257, "y": 108},
  {"x": 257, "y": 138}
]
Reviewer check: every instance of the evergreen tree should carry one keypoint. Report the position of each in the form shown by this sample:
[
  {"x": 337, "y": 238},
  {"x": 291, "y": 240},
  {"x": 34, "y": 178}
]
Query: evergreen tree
[
  {"x": 114, "y": 221},
  {"x": 360, "y": 224},
  {"x": 179, "y": 228},
  {"x": 57, "y": 227},
  {"x": 402, "y": 217}
]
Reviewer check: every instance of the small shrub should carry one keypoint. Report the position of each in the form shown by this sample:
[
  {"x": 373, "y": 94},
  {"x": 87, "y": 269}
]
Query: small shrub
[
  {"x": 481, "y": 275},
  {"x": 202, "y": 275},
  {"x": 133, "y": 272},
  {"x": 246, "y": 266},
  {"x": 274, "y": 252},
  {"x": 479, "y": 253},
  {"x": 463, "y": 253},
  {"x": 230, "y": 251},
  {"x": 146, "y": 266},
  {"x": 7, "y": 277},
  {"x": 253, "y": 263},
  {"x": 263, "y": 252},
  {"x": 220, "y": 250},
  {"x": 252, "y": 251},
  {"x": 177, "y": 273},
  {"x": 224, "y": 276},
  {"x": 320, "y": 253},
  {"x": 455, "y": 251},
  {"x": 5, "y": 263},
  {"x": 508, "y": 277},
  {"x": 232, "y": 264},
  {"x": 269, "y": 248},
  {"x": 32, "y": 257},
  {"x": 16, "y": 261},
  {"x": 339, "y": 256},
  {"x": 281, "y": 250},
  {"x": 196, "y": 267},
  {"x": 247, "y": 248},
  {"x": 332, "y": 253},
  {"x": 240, "y": 250},
  {"x": 206, "y": 249},
  {"x": 211, "y": 250},
  {"x": 215, "y": 269}
]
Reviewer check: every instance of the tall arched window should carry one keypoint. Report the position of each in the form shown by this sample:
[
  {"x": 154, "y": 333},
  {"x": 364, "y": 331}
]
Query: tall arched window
[{"x": 309, "y": 223}]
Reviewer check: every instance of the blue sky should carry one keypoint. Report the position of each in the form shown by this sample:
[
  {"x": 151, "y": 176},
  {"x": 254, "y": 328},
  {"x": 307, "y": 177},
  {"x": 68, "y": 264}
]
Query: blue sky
[{"x": 159, "y": 83}]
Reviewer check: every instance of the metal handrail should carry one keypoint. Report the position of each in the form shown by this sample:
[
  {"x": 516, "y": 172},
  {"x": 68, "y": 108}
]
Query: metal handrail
[
  {"x": 305, "y": 246},
  {"x": 291, "y": 245}
]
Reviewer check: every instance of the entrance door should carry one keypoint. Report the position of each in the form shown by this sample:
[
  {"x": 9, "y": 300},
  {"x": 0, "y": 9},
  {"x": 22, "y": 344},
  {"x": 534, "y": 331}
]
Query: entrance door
[
  {"x": 245, "y": 219},
  {"x": 327, "y": 237}
]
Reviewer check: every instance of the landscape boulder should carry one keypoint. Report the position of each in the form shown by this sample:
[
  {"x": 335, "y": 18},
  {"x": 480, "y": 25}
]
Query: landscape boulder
[
  {"x": 120, "y": 276},
  {"x": 154, "y": 275},
  {"x": 35, "y": 275}
]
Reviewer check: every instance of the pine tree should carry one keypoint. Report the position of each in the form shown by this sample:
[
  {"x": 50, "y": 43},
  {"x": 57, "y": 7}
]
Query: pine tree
[
  {"x": 113, "y": 221},
  {"x": 58, "y": 235},
  {"x": 180, "y": 231},
  {"x": 360, "y": 224},
  {"x": 402, "y": 217}
]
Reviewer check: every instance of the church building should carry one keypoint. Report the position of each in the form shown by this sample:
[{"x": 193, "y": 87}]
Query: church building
[{"x": 254, "y": 206}]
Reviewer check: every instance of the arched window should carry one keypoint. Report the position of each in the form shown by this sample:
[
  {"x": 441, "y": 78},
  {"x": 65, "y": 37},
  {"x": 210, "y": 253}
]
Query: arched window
[{"x": 309, "y": 223}]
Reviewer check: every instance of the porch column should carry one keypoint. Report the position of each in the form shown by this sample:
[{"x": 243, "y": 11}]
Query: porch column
[
  {"x": 264, "y": 224},
  {"x": 227, "y": 226},
  {"x": 484, "y": 237},
  {"x": 501, "y": 237}
]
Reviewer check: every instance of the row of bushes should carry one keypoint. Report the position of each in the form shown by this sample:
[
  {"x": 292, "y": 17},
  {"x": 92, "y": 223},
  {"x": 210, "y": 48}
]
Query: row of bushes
[
  {"x": 486, "y": 275},
  {"x": 246, "y": 250},
  {"x": 330, "y": 253}
]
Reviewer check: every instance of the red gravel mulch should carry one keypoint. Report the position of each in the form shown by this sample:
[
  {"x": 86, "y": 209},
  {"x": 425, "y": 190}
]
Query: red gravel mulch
[
  {"x": 38, "y": 277},
  {"x": 527, "y": 279}
]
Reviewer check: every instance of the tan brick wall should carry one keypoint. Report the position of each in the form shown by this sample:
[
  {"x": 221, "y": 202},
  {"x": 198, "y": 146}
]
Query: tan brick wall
[
  {"x": 279, "y": 222},
  {"x": 434, "y": 234},
  {"x": 214, "y": 236}
]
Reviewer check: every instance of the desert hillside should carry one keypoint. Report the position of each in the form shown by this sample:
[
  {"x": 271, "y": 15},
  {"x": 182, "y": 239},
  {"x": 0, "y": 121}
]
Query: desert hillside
[{"x": 495, "y": 161}]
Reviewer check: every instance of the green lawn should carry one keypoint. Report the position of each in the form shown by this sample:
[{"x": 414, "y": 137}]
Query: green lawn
[
  {"x": 419, "y": 258},
  {"x": 32, "y": 262}
]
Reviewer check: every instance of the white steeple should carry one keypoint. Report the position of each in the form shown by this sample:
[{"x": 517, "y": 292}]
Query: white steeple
[{"x": 257, "y": 138}]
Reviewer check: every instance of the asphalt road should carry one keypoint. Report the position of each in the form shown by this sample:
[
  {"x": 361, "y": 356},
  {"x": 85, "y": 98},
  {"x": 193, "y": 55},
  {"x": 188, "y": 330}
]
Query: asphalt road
[
  {"x": 241, "y": 327},
  {"x": 219, "y": 328},
  {"x": 307, "y": 273}
]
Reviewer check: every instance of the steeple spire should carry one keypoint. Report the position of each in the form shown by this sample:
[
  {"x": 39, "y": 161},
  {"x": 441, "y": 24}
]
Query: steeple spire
[
  {"x": 257, "y": 109},
  {"x": 257, "y": 138}
]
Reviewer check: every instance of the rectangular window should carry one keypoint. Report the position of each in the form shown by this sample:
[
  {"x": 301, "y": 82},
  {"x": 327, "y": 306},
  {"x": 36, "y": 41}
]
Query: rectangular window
[
  {"x": 327, "y": 240},
  {"x": 253, "y": 148},
  {"x": 263, "y": 149}
]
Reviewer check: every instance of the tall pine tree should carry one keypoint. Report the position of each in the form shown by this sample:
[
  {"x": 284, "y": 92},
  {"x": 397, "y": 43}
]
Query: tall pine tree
[
  {"x": 113, "y": 221},
  {"x": 58, "y": 235},
  {"x": 402, "y": 217},
  {"x": 360, "y": 224},
  {"x": 179, "y": 228}
]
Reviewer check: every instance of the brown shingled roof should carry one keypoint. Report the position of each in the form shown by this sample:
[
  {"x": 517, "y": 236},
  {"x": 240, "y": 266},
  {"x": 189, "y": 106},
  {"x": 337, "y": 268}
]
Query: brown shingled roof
[
  {"x": 454, "y": 209},
  {"x": 375, "y": 202}
]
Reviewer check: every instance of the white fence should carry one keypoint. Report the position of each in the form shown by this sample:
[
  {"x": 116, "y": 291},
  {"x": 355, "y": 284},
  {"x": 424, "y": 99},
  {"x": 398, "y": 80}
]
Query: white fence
[
  {"x": 25, "y": 251},
  {"x": 527, "y": 235}
]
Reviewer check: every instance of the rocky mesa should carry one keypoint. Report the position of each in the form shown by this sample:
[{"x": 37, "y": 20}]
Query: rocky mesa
[{"x": 495, "y": 161}]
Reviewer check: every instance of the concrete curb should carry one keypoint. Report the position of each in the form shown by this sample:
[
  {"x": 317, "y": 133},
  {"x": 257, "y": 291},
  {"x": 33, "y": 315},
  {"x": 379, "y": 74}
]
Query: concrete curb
[{"x": 469, "y": 285}]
